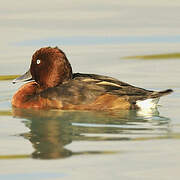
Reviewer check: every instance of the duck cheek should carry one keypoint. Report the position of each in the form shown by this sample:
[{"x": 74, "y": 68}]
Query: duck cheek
[
  {"x": 36, "y": 76},
  {"x": 43, "y": 80}
]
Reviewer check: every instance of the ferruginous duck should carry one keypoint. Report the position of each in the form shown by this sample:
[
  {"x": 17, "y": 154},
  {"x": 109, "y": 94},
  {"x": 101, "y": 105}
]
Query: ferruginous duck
[{"x": 53, "y": 86}]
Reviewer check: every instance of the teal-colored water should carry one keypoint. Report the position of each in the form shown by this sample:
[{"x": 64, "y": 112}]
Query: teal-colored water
[{"x": 96, "y": 36}]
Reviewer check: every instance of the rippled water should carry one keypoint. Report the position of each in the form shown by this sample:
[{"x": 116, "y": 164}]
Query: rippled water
[{"x": 97, "y": 36}]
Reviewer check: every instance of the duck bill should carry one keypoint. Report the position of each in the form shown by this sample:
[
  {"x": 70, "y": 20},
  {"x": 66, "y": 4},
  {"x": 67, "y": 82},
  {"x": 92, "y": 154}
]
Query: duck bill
[{"x": 25, "y": 77}]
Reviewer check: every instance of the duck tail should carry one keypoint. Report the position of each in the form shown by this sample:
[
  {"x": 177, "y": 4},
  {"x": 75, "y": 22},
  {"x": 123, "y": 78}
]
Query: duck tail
[
  {"x": 165, "y": 92},
  {"x": 152, "y": 100},
  {"x": 161, "y": 93}
]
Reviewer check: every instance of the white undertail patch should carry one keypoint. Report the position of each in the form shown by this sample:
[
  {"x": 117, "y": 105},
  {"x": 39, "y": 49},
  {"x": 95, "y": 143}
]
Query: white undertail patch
[
  {"x": 147, "y": 107},
  {"x": 147, "y": 104}
]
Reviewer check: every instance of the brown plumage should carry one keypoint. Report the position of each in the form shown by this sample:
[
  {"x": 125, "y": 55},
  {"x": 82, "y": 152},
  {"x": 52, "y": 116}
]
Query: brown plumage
[
  {"x": 57, "y": 87},
  {"x": 54, "y": 67}
]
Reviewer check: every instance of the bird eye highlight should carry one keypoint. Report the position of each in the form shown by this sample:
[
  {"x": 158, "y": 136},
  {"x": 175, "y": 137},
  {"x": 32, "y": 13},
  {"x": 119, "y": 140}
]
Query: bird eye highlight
[{"x": 38, "y": 61}]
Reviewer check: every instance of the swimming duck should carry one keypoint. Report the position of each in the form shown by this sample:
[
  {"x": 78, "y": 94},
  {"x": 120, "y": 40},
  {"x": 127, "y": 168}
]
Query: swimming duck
[{"x": 53, "y": 86}]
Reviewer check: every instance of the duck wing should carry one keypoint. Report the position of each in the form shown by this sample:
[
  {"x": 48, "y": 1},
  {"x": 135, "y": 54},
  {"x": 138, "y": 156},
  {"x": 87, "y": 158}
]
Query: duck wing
[{"x": 116, "y": 87}]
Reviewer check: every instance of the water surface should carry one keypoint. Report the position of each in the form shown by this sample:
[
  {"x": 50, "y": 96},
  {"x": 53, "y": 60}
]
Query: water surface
[{"x": 97, "y": 37}]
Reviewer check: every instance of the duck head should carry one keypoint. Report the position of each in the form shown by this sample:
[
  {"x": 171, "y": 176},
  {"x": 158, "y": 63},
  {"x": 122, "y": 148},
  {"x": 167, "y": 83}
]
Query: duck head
[{"x": 49, "y": 68}]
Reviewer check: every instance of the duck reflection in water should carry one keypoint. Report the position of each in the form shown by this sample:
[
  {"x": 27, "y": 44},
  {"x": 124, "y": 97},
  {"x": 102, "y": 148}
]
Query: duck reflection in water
[{"x": 51, "y": 131}]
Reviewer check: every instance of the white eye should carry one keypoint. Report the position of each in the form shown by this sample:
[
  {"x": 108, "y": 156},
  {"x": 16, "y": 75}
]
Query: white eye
[{"x": 38, "y": 61}]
